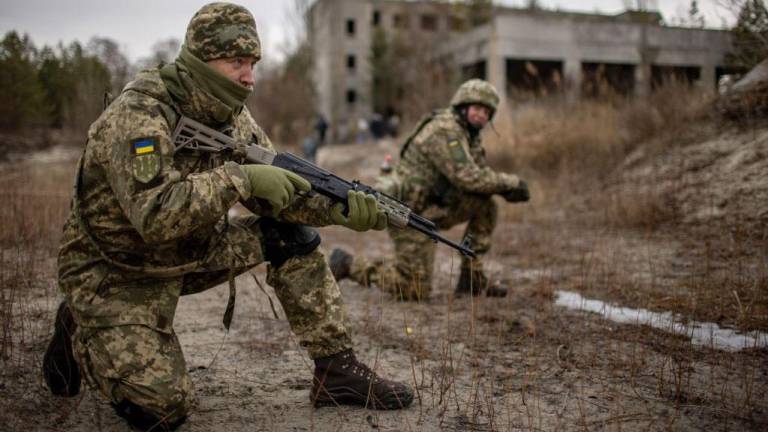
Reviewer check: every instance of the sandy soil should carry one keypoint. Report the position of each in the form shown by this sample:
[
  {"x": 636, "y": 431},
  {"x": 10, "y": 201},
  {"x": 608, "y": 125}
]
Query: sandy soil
[{"x": 518, "y": 363}]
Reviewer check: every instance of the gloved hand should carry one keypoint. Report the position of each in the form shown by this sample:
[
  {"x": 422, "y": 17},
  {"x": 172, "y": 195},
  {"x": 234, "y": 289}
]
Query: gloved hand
[
  {"x": 363, "y": 214},
  {"x": 518, "y": 194},
  {"x": 274, "y": 184}
]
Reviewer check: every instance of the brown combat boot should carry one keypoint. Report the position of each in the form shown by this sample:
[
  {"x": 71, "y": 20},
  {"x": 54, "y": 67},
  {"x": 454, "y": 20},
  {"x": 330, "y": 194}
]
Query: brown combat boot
[
  {"x": 476, "y": 283},
  {"x": 341, "y": 379},
  {"x": 340, "y": 263},
  {"x": 61, "y": 372}
]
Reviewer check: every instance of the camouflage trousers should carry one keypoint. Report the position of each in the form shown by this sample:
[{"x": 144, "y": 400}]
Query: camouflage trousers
[
  {"x": 144, "y": 363},
  {"x": 408, "y": 274}
]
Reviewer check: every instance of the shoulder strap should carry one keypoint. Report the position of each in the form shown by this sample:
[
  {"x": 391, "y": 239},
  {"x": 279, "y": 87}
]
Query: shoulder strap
[{"x": 422, "y": 124}]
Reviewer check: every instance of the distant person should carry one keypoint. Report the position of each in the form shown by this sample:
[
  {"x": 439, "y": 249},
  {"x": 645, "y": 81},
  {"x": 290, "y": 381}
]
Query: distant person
[
  {"x": 442, "y": 175},
  {"x": 321, "y": 128},
  {"x": 378, "y": 127},
  {"x": 149, "y": 225}
]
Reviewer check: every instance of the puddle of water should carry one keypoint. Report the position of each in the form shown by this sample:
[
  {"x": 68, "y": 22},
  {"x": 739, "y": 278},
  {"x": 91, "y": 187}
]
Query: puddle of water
[{"x": 701, "y": 333}]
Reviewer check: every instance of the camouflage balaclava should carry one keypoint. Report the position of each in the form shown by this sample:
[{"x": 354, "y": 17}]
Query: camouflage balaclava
[{"x": 217, "y": 30}]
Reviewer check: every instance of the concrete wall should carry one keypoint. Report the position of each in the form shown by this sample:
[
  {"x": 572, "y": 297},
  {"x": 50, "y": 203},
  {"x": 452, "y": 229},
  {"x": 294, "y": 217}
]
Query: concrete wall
[
  {"x": 331, "y": 45},
  {"x": 574, "y": 39},
  {"x": 570, "y": 38}
]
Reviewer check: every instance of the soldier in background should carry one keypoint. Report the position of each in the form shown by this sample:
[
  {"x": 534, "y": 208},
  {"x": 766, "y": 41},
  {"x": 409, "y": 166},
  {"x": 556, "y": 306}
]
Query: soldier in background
[
  {"x": 149, "y": 224},
  {"x": 321, "y": 127},
  {"x": 443, "y": 176}
]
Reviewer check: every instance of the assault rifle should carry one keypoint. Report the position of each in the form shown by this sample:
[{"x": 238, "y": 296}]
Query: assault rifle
[{"x": 192, "y": 135}]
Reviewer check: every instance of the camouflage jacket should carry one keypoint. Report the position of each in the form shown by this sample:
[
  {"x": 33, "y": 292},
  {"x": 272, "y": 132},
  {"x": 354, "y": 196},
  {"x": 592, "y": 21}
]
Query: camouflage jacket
[
  {"x": 146, "y": 206},
  {"x": 442, "y": 155}
]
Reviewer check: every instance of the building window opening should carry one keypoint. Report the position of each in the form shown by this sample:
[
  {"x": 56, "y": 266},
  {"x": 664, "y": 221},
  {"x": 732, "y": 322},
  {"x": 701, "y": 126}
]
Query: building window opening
[
  {"x": 351, "y": 97},
  {"x": 429, "y": 22},
  {"x": 665, "y": 75},
  {"x": 351, "y": 62},
  {"x": 400, "y": 21},
  {"x": 474, "y": 70},
  {"x": 534, "y": 78},
  {"x": 376, "y": 18},
  {"x": 350, "y": 27},
  {"x": 605, "y": 79}
]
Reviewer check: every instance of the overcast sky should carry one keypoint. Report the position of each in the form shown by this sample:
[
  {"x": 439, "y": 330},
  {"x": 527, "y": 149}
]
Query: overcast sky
[{"x": 137, "y": 24}]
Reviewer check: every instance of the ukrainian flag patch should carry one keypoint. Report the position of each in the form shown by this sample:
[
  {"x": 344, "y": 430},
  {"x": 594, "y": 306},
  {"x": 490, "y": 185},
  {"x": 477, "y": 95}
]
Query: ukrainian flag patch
[
  {"x": 143, "y": 146},
  {"x": 457, "y": 151}
]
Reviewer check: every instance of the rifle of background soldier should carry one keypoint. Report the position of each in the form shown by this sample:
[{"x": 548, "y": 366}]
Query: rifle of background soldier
[{"x": 193, "y": 135}]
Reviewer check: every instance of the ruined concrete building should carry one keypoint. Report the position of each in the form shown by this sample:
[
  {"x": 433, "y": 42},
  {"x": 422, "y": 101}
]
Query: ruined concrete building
[{"x": 519, "y": 51}]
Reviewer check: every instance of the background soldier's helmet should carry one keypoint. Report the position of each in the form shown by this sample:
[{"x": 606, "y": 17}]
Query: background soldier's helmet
[
  {"x": 476, "y": 91},
  {"x": 221, "y": 30}
]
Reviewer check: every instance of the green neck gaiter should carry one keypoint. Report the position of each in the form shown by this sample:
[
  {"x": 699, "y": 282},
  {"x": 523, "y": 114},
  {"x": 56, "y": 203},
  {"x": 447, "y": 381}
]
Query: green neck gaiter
[{"x": 201, "y": 92}]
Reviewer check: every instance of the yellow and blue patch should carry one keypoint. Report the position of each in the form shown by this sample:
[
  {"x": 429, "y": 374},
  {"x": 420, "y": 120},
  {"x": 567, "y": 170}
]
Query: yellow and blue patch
[
  {"x": 146, "y": 161},
  {"x": 143, "y": 146},
  {"x": 457, "y": 151}
]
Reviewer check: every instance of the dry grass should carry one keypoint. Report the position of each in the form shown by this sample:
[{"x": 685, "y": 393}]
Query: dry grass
[
  {"x": 486, "y": 364},
  {"x": 583, "y": 141},
  {"x": 31, "y": 217}
]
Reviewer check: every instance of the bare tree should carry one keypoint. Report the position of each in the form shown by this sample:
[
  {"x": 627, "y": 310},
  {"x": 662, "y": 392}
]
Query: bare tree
[
  {"x": 163, "y": 51},
  {"x": 110, "y": 54}
]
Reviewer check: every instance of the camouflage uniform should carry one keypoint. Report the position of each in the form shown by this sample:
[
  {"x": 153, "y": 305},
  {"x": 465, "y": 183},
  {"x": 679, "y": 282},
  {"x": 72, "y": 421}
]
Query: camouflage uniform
[
  {"x": 442, "y": 175},
  {"x": 149, "y": 225}
]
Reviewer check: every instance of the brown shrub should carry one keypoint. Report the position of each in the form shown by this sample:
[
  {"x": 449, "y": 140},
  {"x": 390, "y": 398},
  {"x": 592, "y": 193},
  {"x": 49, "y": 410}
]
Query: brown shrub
[
  {"x": 665, "y": 117},
  {"x": 583, "y": 142},
  {"x": 556, "y": 139}
]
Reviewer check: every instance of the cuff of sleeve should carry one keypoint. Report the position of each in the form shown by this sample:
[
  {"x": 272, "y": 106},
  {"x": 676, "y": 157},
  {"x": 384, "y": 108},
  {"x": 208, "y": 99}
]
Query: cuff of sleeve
[{"x": 239, "y": 179}]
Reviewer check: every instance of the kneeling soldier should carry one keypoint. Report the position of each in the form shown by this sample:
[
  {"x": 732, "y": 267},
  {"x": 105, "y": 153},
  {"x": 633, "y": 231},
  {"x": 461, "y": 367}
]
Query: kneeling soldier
[
  {"x": 442, "y": 175},
  {"x": 149, "y": 224}
]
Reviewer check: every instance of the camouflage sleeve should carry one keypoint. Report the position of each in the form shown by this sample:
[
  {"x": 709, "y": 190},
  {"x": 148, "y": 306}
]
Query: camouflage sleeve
[
  {"x": 451, "y": 156},
  {"x": 160, "y": 204},
  {"x": 314, "y": 211}
]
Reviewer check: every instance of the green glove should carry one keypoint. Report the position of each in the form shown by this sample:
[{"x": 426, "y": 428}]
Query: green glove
[
  {"x": 363, "y": 214},
  {"x": 274, "y": 184},
  {"x": 518, "y": 194}
]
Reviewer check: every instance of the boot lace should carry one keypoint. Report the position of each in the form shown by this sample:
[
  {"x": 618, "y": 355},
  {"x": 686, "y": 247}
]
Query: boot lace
[{"x": 360, "y": 369}]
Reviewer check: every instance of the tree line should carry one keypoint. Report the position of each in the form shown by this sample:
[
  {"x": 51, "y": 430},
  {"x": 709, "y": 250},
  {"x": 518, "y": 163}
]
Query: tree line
[
  {"x": 64, "y": 87},
  {"x": 49, "y": 87}
]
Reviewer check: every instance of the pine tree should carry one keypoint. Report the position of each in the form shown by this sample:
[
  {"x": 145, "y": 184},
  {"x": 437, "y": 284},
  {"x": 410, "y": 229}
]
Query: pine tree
[
  {"x": 57, "y": 83},
  {"x": 90, "y": 81},
  {"x": 695, "y": 18},
  {"x": 750, "y": 35},
  {"x": 479, "y": 12},
  {"x": 21, "y": 95}
]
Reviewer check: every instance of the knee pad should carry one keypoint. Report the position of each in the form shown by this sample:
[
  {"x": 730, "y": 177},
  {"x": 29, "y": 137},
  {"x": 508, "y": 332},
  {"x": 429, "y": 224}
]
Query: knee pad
[
  {"x": 140, "y": 418},
  {"x": 283, "y": 241}
]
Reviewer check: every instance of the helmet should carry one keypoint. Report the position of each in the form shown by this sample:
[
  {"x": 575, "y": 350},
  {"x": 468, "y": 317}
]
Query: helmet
[
  {"x": 476, "y": 91},
  {"x": 221, "y": 30}
]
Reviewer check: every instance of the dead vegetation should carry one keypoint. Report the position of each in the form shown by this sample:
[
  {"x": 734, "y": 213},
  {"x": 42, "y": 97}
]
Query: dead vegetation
[{"x": 612, "y": 184}]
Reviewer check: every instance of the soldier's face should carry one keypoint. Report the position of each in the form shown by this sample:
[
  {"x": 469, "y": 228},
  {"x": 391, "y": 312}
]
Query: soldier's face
[
  {"x": 478, "y": 115},
  {"x": 238, "y": 69}
]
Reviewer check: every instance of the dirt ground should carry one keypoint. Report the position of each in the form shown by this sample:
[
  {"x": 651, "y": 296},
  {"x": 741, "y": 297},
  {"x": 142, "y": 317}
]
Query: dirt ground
[{"x": 518, "y": 363}]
